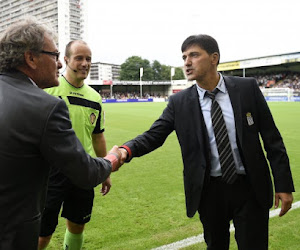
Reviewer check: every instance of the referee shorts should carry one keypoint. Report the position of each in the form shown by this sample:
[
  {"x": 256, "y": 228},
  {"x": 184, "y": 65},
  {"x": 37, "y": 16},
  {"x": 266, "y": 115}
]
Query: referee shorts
[{"x": 76, "y": 204}]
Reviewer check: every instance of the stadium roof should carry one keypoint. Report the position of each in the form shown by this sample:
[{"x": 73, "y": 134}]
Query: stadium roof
[{"x": 260, "y": 62}]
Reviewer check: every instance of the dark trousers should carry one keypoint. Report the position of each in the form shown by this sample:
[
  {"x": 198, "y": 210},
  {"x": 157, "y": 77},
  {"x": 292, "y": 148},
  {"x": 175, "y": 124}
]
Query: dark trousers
[
  {"x": 222, "y": 203},
  {"x": 23, "y": 236}
]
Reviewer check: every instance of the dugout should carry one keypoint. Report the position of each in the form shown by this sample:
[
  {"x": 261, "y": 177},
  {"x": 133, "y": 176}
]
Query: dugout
[{"x": 158, "y": 89}]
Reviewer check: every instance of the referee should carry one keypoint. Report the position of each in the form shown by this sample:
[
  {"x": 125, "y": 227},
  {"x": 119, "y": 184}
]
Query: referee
[{"x": 87, "y": 116}]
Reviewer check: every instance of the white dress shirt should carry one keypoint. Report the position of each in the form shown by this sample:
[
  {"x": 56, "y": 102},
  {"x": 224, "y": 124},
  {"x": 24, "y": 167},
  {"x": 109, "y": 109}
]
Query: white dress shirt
[{"x": 223, "y": 99}]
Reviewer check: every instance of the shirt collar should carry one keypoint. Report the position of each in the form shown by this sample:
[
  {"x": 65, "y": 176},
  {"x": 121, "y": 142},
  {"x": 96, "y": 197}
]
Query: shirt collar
[
  {"x": 33, "y": 83},
  {"x": 221, "y": 86}
]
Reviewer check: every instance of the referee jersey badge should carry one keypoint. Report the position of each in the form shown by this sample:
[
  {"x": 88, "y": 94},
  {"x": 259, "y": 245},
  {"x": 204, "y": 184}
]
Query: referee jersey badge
[
  {"x": 249, "y": 119},
  {"x": 92, "y": 118}
]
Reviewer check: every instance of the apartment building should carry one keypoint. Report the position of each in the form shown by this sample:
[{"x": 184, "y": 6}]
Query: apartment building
[
  {"x": 67, "y": 17},
  {"x": 104, "y": 73}
]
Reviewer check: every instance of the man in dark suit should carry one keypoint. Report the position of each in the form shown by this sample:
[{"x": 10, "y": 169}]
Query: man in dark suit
[
  {"x": 36, "y": 133},
  {"x": 247, "y": 194}
]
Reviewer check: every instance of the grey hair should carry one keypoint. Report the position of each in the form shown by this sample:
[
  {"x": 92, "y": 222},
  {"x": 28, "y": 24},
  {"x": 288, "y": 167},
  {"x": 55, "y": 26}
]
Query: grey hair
[{"x": 24, "y": 35}]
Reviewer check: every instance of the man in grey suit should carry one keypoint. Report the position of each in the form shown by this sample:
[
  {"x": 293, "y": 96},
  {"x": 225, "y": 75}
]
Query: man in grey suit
[
  {"x": 36, "y": 133},
  {"x": 245, "y": 195}
]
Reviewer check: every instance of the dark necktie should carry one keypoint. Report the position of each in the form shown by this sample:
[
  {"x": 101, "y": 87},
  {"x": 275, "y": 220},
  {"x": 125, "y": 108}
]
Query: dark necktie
[{"x": 229, "y": 174}]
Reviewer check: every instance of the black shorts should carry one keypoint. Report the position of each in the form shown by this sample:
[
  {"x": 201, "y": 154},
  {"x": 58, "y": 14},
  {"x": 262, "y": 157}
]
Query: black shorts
[{"x": 76, "y": 203}]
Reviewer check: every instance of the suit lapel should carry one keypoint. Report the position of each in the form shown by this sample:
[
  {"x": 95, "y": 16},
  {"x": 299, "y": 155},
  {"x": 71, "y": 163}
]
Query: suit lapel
[
  {"x": 198, "y": 119},
  {"x": 195, "y": 108},
  {"x": 235, "y": 98}
]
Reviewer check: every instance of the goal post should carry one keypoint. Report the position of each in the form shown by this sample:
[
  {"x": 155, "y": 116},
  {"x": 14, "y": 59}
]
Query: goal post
[{"x": 278, "y": 94}]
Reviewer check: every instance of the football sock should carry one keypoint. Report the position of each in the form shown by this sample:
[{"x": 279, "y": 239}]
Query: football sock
[{"x": 73, "y": 241}]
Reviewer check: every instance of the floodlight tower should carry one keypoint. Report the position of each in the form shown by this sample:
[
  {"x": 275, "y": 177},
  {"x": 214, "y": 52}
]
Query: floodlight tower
[{"x": 141, "y": 75}]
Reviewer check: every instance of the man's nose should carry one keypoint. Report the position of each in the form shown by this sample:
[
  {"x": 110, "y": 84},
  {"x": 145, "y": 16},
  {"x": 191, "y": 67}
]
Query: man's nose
[
  {"x": 187, "y": 61},
  {"x": 85, "y": 62},
  {"x": 59, "y": 64}
]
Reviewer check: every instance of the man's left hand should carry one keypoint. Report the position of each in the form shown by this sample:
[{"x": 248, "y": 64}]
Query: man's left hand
[
  {"x": 286, "y": 202},
  {"x": 106, "y": 185}
]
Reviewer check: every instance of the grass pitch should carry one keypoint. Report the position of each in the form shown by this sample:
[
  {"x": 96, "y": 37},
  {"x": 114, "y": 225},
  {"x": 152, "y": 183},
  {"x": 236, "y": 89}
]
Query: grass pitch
[{"x": 145, "y": 207}]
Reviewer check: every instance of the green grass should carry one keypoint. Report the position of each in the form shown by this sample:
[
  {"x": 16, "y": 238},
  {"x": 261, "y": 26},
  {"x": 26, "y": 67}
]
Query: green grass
[{"x": 145, "y": 207}]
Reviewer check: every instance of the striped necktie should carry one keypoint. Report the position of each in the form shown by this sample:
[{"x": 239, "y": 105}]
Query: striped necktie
[{"x": 229, "y": 174}]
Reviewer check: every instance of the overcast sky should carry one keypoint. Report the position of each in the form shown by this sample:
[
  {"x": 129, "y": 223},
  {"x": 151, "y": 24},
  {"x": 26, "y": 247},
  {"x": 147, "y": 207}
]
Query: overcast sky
[{"x": 155, "y": 29}]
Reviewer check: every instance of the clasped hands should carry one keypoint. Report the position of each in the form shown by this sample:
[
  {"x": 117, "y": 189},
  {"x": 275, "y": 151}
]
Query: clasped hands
[{"x": 121, "y": 155}]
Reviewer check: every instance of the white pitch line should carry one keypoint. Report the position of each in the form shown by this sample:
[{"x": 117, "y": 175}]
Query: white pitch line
[{"x": 200, "y": 238}]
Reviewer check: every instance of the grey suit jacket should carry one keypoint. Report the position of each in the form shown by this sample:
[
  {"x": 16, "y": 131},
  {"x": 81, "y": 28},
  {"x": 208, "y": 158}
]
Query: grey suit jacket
[
  {"x": 35, "y": 133},
  {"x": 183, "y": 114}
]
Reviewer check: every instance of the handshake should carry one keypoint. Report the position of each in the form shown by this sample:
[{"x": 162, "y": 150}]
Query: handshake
[{"x": 117, "y": 156}]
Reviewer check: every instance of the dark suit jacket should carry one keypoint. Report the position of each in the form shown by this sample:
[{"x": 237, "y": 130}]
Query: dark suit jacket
[
  {"x": 183, "y": 114},
  {"x": 35, "y": 133}
]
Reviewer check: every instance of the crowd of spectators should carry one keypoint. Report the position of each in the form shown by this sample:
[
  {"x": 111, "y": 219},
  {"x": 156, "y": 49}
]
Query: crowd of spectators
[
  {"x": 277, "y": 80},
  {"x": 130, "y": 95},
  {"x": 280, "y": 80}
]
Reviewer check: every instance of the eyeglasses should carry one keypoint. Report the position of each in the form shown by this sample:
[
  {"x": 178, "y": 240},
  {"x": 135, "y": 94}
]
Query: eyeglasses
[{"x": 56, "y": 54}]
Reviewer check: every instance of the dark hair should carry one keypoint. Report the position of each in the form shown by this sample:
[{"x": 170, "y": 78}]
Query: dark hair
[
  {"x": 205, "y": 42},
  {"x": 24, "y": 35}
]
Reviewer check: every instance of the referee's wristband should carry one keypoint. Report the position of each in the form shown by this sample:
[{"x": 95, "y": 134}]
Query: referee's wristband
[
  {"x": 114, "y": 160},
  {"x": 116, "y": 155}
]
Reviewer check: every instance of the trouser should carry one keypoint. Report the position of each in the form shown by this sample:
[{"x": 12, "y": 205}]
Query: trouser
[
  {"x": 222, "y": 203},
  {"x": 22, "y": 236}
]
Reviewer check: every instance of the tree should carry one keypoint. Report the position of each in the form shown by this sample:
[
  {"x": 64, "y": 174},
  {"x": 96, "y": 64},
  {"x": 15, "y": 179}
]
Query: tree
[
  {"x": 179, "y": 75},
  {"x": 166, "y": 73},
  {"x": 157, "y": 70},
  {"x": 130, "y": 69}
]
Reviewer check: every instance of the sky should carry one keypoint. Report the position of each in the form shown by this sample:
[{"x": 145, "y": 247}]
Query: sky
[{"x": 155, "y": 29}]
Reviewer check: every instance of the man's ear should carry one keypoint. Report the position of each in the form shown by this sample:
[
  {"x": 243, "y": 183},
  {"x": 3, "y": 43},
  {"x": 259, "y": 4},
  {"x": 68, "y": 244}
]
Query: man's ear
[
  {"x": 215, "y": 58},
  {"x": 31, "y": 59}
]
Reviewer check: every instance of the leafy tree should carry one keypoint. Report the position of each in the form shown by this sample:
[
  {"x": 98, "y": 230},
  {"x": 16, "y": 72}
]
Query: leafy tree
[
  {"x": 157, "y": 71},
  {"x": 166, "y": 73},
  {"x": 130, "y": 69},
  {"x": 179, "y": 75},
  {"x": 148, "y": 72}
]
